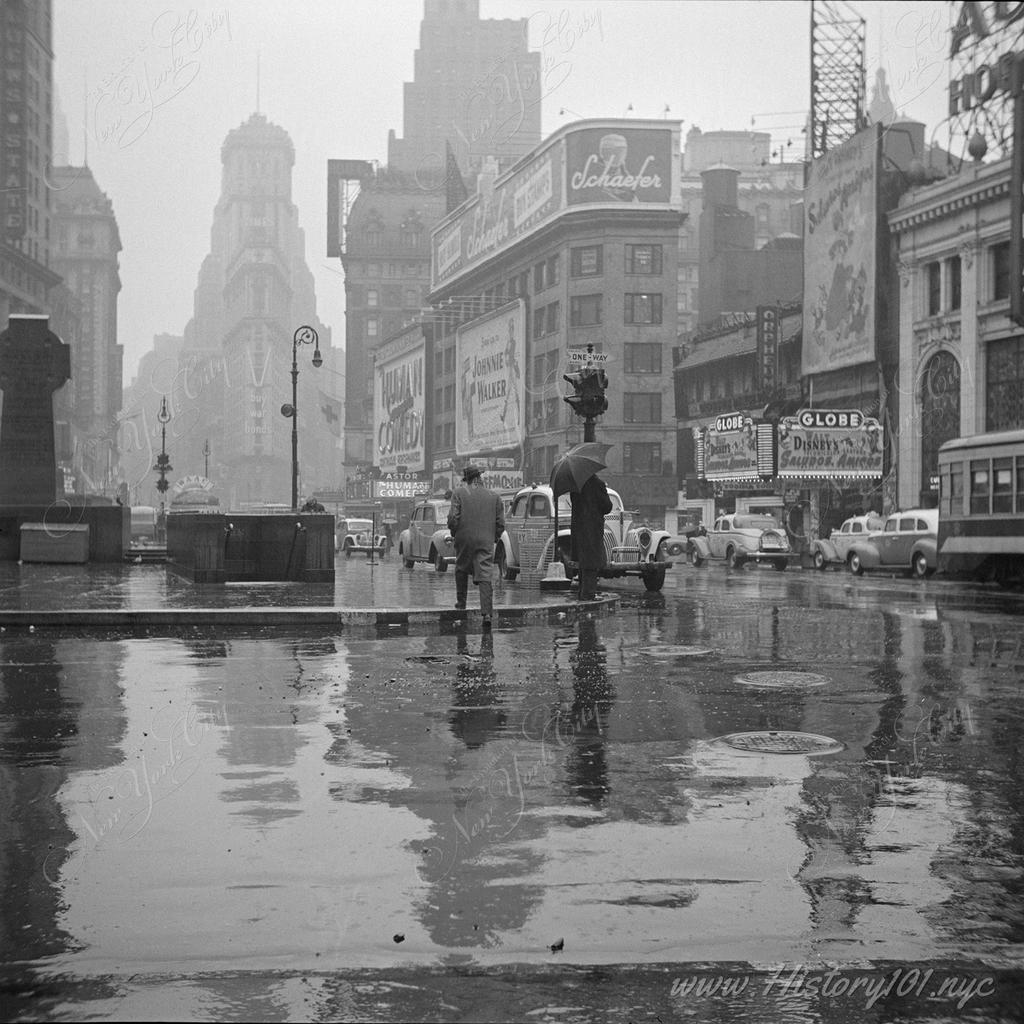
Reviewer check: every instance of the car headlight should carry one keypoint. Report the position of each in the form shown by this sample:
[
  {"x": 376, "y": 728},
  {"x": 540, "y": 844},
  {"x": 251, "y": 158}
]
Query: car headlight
[{"x": 644, "y": 538}]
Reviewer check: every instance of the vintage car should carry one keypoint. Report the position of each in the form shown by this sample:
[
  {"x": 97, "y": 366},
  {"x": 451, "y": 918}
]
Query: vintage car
[
  {"x": 352, "y": 535},
  {"x": 742, "y": 537},
  {"x": 907, "y": 540},
  {"x": 427, "y": 538},
  {"x": 631, "y": 550},
  {"x": 837, "y": 546}
]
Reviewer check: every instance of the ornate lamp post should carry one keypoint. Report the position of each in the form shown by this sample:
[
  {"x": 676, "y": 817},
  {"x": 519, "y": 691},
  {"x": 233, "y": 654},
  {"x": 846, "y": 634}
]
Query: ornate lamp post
[
  {"x": 303, "y": 336},
  {"x": 163, "y": 463},
  {"x": 206, "y": 458}
]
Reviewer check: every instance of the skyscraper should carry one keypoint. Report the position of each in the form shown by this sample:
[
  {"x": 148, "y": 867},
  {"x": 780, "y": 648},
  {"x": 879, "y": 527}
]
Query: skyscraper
[{"x": 475, "y": 94}]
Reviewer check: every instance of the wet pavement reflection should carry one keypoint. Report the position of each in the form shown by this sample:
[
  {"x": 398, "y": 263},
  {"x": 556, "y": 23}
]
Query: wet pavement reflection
[{"x": 280, "y": 824}]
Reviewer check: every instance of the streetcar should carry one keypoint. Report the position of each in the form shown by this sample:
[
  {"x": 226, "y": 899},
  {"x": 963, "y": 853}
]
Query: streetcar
[{"x": 981, "y": 507}]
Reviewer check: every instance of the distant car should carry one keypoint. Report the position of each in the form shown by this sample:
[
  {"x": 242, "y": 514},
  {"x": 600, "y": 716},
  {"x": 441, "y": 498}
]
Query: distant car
[
  {"x": 839, "y": 542},
  {"x": 356, "y": 535},
  {"x": 143, "y": 524},
  {"x": 743, "y": 537},
  {"x": 427, "y": 537},
  {"x": 630, "y": 550},
  {"x": 907, "y": 540}
]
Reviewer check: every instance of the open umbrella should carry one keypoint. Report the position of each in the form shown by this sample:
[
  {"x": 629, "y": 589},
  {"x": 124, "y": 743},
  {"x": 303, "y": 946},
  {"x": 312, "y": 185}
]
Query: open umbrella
[
  {"x": 575, "y": 467},
  {"x": 572, "y": 469}
]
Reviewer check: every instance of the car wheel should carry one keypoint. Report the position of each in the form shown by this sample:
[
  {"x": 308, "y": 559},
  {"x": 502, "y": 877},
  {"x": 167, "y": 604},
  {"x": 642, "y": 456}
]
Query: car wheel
[
  {"x": 502, "y": 564},
  {"x": 734, "y": 558},
  {"x": 855, "y": 565},
  {"x": 819, "y": 561},
  {"x": 407, "y": 562},
  {"x": 780, "y": 565},
  {"x": 440, "y": 565},
  {"x": 695, "y": 559},
  {"x": 654, "y": 580},
  {"x": 919, "y": 565}
]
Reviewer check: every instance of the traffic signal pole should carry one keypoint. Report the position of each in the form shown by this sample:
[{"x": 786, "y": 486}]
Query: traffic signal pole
[{"x": 589, "y": 399}]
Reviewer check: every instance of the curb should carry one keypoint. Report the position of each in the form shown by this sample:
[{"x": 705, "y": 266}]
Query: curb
[{"x": 124, "y": 618}]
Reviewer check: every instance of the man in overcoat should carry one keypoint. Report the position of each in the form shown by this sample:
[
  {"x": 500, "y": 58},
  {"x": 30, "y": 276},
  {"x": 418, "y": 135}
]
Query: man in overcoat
[
  {"x": 476, "y": 521},
  {"x": 590, "y": 504}
]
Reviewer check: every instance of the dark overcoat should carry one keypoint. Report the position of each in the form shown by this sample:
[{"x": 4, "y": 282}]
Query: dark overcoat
[
  {"x": 476, "y": 520},
  {"x": 590, "y": 504}
]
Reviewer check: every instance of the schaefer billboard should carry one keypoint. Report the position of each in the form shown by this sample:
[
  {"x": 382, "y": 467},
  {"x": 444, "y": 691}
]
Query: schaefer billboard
[
  {"x": 490, "y": 400},
  {"x": 841, "y": 200},
  {"x": 398, "y": 404},
  {"x": 830, "y": 443},
  {"x": 599, "y": 163},
  {"x": 620, "y": 165}
]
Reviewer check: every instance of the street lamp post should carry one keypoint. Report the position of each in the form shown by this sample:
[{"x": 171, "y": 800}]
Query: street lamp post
[
  {"x": 206, "y": 459},
  {"x": 303, "y": 336},
  {"x": 163, "y": 463}
]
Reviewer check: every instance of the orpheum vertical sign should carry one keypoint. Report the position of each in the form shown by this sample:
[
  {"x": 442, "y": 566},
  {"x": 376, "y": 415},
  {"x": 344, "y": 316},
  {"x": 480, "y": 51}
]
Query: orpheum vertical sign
[
  {"x": 767, "y": 347},
  {"x": 13, "y": 143}
]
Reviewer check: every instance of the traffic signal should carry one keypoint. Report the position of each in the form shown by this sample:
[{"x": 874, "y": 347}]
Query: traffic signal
[{"x": 589, "y": 385}]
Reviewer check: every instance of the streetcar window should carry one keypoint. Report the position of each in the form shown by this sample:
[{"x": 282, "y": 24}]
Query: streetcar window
[
  {"x": 1020, "y": 483},
  {"x": 980, "y": 490},
  {"x": 956, "y": 488},
  {"x": 1002, "y": 485}
]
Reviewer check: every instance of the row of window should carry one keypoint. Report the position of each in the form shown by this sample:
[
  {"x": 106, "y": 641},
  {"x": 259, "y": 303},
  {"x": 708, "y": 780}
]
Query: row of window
[
  {"x": 588, "y": 260},
  {"x": 994, "y": 487},
  {"x": 637, "y": 457},
  {"x": 943, "y": 280},
  {"x": 638, "y": 308}
]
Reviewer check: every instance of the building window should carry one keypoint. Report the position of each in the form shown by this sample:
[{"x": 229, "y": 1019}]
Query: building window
[
  {"x": 552, "y": 270},
  {"x": 551, "y": 320},
  {"x": 372, "y": 297},
  {"x": 954, "y": 283},
  {"x": 372, "y": 327},
  {"x": 641, "y": 407},
  {"x": 1001, "y": 271},
  {"x": 449, "y": 360},
  {"x": 641, "y": 458},
  {"x": 643, "y": 259},
  {"x": 585, "y": 310},
  {"x": 934, "y": 271},
  {"x": 587, "y": 261},
  {"x": 643, "y": 308},
  {"x": 538, "y": 277},
  {"x": 642, "y": 358},
  {"x": 1004, "y": 384}
]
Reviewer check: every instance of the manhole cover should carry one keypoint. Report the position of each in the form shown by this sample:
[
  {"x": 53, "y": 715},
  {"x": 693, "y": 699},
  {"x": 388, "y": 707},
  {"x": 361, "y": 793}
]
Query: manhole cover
[
  {"x": 783, "y": 743},
  {"x": 675, "y": 651},
  {"x": 782, "y": 680}
]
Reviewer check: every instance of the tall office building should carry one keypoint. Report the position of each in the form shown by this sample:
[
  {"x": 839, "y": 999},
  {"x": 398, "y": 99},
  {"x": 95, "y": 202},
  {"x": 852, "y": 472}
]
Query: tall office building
[
  {"x": 474, "y": 101},
  {"x": 85, "y": 247},
  {"x": 26, "y": 104}
]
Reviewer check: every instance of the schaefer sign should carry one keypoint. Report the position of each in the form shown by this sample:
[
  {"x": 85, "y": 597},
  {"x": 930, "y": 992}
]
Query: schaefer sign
[
  {"x": 598, "y": 163},
  {"x": 398, "y": 403},
  {"x": 619, "y": 165},
  {"x": 490, "y": 401},
  {"x": 830, "y": 443}
]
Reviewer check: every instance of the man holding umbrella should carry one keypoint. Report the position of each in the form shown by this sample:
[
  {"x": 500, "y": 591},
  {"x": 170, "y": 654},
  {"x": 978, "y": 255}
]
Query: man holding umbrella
[
  {"x": 576, "y": 472},
  {"x": 476, "y": 521}
]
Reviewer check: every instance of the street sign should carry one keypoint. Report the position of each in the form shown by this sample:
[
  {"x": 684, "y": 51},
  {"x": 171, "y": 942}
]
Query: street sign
[{"x": 581, "y": 355}]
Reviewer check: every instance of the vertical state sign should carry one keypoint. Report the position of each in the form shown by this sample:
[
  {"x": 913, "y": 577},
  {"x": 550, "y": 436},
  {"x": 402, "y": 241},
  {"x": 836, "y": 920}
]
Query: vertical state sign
[
  {"x": 490, "y": 400},
  {"x": 398, "y": 403},
  {"x": 13, "y": 121},
  {"x": 840, "y": 255}
]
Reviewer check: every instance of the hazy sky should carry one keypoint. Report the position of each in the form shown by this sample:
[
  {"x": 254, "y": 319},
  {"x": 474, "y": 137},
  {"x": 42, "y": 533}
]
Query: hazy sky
[{"x": 331, "y": 74}]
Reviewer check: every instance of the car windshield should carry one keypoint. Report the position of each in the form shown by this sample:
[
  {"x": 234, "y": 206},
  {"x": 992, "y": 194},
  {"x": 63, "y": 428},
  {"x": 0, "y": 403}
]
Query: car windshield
[
  {"x": 756, "y": 523},
  {"x": 359, "y": 525}
]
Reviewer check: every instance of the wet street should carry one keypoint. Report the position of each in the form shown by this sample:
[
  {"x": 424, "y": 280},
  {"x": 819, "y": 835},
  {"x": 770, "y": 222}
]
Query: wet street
[{"x": 754, "y": 796}]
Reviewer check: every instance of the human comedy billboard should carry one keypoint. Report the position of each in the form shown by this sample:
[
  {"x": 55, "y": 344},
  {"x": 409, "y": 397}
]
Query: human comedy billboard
[
  {"x": 840, "y": 240},
  {"x": 490, "y": 397},
  {"x": 398, "y": 403}
]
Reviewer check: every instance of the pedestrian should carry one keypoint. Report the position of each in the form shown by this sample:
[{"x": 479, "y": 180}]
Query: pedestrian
[
  {"x": 476, "y": 521},
  {"x": 590, "y": 504}
]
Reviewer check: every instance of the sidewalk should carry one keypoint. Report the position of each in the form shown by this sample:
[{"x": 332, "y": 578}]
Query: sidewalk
[{"x": 363, "y": 594}]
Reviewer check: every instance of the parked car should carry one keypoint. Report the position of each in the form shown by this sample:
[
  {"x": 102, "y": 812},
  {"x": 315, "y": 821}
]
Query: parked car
[
  {"x": 907, "y": 540},
  {"x": 427, "y": 538},
  {"x": 354, "y": 535},
  {"x": 839, "y": 542},
  {"x": 742, "y": 537},
  {"x": 631, "y": 550}
]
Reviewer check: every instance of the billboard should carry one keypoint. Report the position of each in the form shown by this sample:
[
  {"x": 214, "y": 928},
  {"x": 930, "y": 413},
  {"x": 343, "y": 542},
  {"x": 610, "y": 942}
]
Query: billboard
[
  {"x": 621, "y": 165},
  {"x": 840, "y": 241},
  {"x": 606, "y": 163},
  {"x": 399, "y": 403},
  {"x": 490, "y": 401},
  {"x": 730, "y": 448}
]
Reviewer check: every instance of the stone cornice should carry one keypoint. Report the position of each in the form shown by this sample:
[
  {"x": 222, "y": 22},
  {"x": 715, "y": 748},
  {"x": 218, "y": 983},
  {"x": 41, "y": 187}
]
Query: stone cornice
[{"x": 924, "y": 212}]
